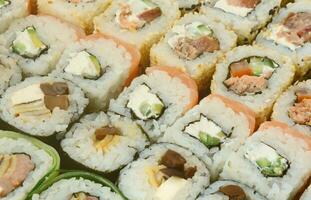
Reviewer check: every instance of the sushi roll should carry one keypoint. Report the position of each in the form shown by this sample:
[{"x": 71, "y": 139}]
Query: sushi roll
[
  {"x": 25, "y": 163},
  {"x": 275, "y": 161},
  {"x": 42, "y": 106},
  {"x": 289, "y": 33},
  {"x": 223, "y": 190},
  {"x": 164, "y": 172},
  {"x": 255, "y": 76},
  {"x": 104, "y": 142},
  {"x": 140, "y": 22},
  {"x": 307, "y": 194},
  {"x": 78, "y": 12},
  {"x": 36, "y": 42},
  {"x": 212, "y": 130},
  {"x": 77, "y": 185},
  {"x": 294, "y": 107},
  {"x": 101, "y": 66},
  {"x": 194, "y": 45},
  {"x": 11, "y": 10},
  {"x": 245, "y": 17},
  {"x": 156, "y": 99}
]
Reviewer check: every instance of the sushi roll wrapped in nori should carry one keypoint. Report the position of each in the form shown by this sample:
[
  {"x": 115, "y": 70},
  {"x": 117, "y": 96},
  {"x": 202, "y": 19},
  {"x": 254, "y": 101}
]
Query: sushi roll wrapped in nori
[
  {"x": 212, "y": 130},
  {"x": 294, "y": 107},
  {"x": 101, "y": 66},
  {"x": 156, "y": 99},
  {"x": 164, "y": 172},
  {"x": 37, "y": 42},
  {"x": 289, "y": 33},
  {"x": 275, "y": 161},
  {"x": 254, "y": 76},
  {"x": 194, "y": 45},
  {"x": 227, "y": 190},
  {"x": 77, "y": 185},
  {"x": 104, "y": 142},
  {"x": 307, "y": 194},
  {"x": 25, "y": 163},
  {"x": 78, "y": 12},
  {"x": 140, "y": 22},
  {"x": 42, "y": 106}
]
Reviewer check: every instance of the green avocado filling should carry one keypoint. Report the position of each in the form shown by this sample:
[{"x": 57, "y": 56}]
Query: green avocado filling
[
  {"x": 151, "y": 110},
  {"x": 272, "y": 169},
  {"x": 262, "y": 65},
  {"x": 4, "y": 3},
  {"x": 210, "y": 141}
]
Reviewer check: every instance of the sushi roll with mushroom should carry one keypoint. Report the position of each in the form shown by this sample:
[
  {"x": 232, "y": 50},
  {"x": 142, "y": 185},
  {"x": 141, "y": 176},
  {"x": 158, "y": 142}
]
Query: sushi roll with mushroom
[
  {"x": 194, "y": 45},
  {"x": 255, "y": 76},
  {"x": 37, "y": 42},
  {"x": 212, "y": 130},
  {"x": 77, "y": 185},
  {"x": 24, "y": 162},
  {"x": 156, "y": 99},
  {"x": 164, "y": 172},
  {"x": 104, "y": 142},
  {"x": 101, "y": 66},
  {"x": 140, "y": 22},
  {"x": 275, "y": 161},
  {"x": 290, "y": 34},
  {"x": 42, "y": 106}
]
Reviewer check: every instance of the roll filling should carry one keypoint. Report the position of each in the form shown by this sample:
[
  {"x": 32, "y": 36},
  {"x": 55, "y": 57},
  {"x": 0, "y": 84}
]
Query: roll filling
[
  {"x": 300, "y": 112},
  {"x": 4, "y": 3},
  {"x": 83, "y": 196}
]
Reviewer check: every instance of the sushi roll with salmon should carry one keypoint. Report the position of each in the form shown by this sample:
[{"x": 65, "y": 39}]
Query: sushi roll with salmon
[
  {"x": 42, "y": 106},
  {"x": 294, "y": 107},
  {"x": 290, "y": 34},
  {"x": 254, "y": 76},
  {"x": 275, "y": 161},
  {"x": 140, "y": 22},
  {"x": 194, "y": 45},
  {"x": 104, "y": 142},
  {"x": 212, "y": 130},
  {"x": 156, "y": 99},
  {"x": 164, "y": 172},
  {"x": 37, "y": 42},
  {"x": 25, "y": 162},
  {"x": 78, "y": 12}
]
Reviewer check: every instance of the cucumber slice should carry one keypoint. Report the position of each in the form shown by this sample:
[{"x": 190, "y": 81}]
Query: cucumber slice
[
  {"x": 208, "y": 140},
  {"x": 4, "y": 3},
  {"x": 35, "y": 38}
]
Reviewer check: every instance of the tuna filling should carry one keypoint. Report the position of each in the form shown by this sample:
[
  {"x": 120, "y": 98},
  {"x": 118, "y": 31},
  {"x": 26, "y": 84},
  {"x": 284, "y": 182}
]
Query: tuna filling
[
  {"x": 83, "y": 196},
  {"x": 4, "y": 3},
  {"x": 106, "y": 137},
  {"x": 238, "y": 7},
  {"x": 234, "y": 192},
  {"x": 300, "y": 112}
]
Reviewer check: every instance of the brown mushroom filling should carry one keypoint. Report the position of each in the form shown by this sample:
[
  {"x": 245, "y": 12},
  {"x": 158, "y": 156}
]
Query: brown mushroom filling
[
  {"x": 107, "y": 137},
  {"x": 300, "y": 112},
  {"x": 234, "y": 192},
  {"x": 55, "y": 95}
]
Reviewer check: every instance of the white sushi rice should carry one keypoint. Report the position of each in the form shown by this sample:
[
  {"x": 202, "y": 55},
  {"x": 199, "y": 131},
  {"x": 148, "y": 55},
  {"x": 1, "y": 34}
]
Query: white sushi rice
[
  {"x": 65, "y": 188},
  {"x": 79, "y": 144}
]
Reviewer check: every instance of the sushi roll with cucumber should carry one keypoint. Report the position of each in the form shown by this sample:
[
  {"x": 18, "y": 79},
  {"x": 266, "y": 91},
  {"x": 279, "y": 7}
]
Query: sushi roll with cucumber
[
  {"x": 293, "y": 107},
  {"x": 77, "y": 185},
  {"x": 78, "y": 12},
  {"x": 275, "y": 161},
  {"x": 255, "y": 76},
  {"x": 140, "y": 22},
  {"x": 194, "y": 45},
  {"x": 42, "y": 106},
  {"x": 37, "y": 42},
  {"x": 212, "y": 130},
  {"x": 290, "y": 34},
  {"x": 101, "y": 66},
  {"x": 25, "y": 163},
  {"x": 156, "y": 99},
  {"x": 104, "y": 142},
  {"x": 164, "y": 172}
]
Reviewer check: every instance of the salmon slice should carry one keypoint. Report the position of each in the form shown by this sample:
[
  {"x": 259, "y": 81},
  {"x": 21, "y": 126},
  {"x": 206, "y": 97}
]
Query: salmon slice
[
  {"x": 240, "y": 69},
  {"x": 244, "y": 3}
]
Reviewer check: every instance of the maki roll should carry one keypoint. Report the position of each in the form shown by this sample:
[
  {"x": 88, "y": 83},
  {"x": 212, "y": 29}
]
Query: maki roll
[
  {"x": 245, "y": 17},
  {"x": 36, "y": 42},
  {"x": 104, "y": 142},
  {"x": 101, "y": 66},
  {"x": 156, "y": 99},
  {"x": 223, "y": 190},
  {"x": 77, "y": 185},
  {"x": 42, "y": 106},
  {"x": 164, "y": 172},
  {"x": 212, "y": 130},
  {"x": 194, "y": 45},
  {"x": 294, "y": 107},
  {"x": 290, "y": 34},
  {"x": 255, "y": 76},
  {"x": 79, "y": 12},
  {"x": 140, "y": 22},
  {"x": 25, "y": 163},
  {"x": 275, "y": 161}
]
